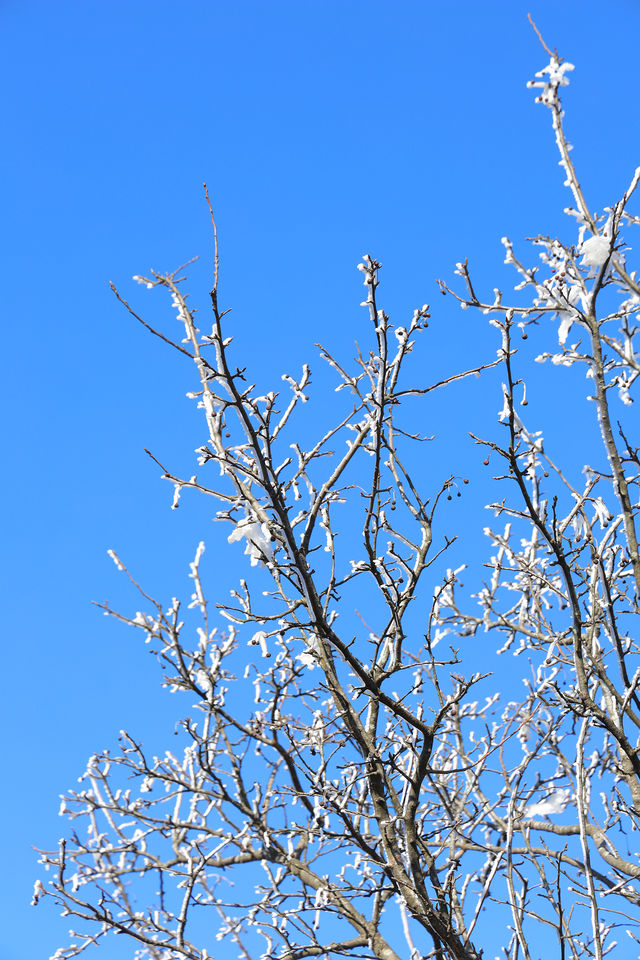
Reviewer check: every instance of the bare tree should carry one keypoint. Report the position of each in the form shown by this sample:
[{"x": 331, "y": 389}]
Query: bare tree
[{"x": 345, "y": 792}]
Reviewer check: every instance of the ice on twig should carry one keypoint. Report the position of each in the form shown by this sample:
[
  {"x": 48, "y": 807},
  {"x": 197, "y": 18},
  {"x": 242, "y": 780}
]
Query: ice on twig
[
  {"x": 307, "y": 659},
  {"x": 549, "y": 79},
  {"x": 260, "y": 639},
  {"x": 258, "y": 536},
  {"x": 119, "y": 564},
  {"x": 595, "y": 251}
]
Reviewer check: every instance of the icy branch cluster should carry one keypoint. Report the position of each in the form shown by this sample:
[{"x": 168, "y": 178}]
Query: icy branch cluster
[{"x": 351, "y": 778}]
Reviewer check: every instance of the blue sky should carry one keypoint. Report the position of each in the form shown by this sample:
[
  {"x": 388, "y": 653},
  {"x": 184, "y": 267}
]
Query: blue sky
[{"x": 325, "y": 131}]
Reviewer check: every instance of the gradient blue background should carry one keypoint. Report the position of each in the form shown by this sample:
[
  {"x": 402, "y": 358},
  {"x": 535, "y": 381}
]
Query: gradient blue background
[{"x": 324, "y": 130}]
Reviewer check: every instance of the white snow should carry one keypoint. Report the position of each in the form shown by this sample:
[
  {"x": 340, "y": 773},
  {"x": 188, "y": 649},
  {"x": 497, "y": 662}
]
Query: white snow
[
  {"x": 258, "y": 546},
  {"x": 595, "y": 251},
  {"x": 554, "y": 803}
]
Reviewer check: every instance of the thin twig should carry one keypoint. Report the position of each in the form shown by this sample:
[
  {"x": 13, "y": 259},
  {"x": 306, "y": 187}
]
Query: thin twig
[{"x": 540, "y": 38}]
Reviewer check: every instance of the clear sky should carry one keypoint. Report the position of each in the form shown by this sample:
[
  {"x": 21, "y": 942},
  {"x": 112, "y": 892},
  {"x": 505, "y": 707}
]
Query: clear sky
[{"x": 325, "y": 130}]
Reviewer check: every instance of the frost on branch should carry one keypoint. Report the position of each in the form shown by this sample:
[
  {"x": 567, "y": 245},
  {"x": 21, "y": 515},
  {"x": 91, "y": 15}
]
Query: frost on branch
[{"x": 353, "y": 776}]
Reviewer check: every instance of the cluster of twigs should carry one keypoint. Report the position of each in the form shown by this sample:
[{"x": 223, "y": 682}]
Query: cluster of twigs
[{"x": 340, "y": 793}]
